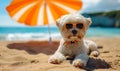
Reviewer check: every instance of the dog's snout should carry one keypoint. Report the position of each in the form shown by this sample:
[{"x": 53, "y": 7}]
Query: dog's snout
[{"x": 74, "y": 32}]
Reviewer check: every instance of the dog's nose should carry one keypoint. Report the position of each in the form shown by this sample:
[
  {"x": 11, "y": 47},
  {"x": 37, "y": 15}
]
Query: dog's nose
[{"x": 74, "y": 32}]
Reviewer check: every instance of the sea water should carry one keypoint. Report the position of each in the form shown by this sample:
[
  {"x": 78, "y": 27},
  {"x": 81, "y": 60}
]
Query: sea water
[{"x": 44, "y": 33}]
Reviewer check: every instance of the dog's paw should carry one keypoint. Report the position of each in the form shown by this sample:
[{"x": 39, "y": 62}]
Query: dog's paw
[
  {"x": 95, "y": 53},
  {"x": 78, "y": 63},
  {"x": 54, "y": 61}
]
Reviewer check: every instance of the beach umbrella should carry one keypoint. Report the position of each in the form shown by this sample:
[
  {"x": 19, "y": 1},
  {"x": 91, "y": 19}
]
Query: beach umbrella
[{"x": 41, "y": 12}]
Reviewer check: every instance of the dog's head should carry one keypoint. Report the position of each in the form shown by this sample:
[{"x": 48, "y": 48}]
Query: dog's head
[{"x": 73, "y": 26}]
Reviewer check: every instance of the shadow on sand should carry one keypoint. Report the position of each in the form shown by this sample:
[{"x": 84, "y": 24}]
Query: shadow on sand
[
  {"x": 35, "y": 47},
  {"x": 94, "y": 63}
]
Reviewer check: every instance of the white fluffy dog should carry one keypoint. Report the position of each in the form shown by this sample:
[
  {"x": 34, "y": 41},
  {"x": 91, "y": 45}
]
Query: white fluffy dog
[{"x": 73, "y": 28}]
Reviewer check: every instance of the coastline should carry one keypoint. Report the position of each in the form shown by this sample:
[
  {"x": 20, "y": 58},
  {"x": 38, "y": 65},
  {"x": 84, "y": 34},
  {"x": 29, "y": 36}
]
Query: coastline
[{"x": 33, "y": 56}]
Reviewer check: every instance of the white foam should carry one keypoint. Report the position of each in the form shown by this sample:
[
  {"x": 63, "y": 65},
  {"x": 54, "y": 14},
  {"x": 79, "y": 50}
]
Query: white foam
[{"x": 31, "y": 36}]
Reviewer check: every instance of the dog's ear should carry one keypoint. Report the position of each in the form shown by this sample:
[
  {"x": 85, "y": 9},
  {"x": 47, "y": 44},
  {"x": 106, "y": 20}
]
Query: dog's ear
[
  {"x": 58, "y": 22},
  {"x": 88, "y": 21}
]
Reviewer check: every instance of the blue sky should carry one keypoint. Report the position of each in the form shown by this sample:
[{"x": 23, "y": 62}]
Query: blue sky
[
  {"x": 100, "y": 5},
  {"x": 88, "y": 6},
  {"x": 5, "y": 19}
]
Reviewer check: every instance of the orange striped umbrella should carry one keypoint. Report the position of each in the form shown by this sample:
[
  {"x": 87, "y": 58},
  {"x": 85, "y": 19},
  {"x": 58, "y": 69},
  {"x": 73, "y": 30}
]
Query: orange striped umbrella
[{"x": 41, "y": 12}]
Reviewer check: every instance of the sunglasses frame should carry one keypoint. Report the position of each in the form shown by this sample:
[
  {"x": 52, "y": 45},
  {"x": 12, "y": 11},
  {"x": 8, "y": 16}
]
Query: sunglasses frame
[{"x": 71, "y": 25}]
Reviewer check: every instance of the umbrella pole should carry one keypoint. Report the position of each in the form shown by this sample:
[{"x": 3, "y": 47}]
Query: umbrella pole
[
  {"x": 50, "y": 38},
  {"x": 49, "y": 30}
]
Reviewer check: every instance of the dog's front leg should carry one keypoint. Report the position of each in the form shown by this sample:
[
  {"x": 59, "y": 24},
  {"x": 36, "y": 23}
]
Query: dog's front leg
[
  {"x": 56, "y": 58},
  {"x": 80, "y": 60}
]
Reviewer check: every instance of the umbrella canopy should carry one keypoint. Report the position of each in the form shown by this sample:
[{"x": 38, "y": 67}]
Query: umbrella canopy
[{"x": 41, "y": 12}]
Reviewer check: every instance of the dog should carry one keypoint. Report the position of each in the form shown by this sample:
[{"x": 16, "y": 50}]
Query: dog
[{"x": 73, "y": 28}]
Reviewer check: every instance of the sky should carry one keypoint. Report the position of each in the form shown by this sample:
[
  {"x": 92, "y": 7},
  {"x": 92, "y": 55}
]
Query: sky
[
  {"x": 88, "y": 6},
  {"x": 100, "y": 5}
]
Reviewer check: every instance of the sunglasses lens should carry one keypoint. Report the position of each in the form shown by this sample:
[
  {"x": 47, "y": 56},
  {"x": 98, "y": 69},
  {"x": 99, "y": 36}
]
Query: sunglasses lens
[
  {"x": 69, "y": 26},
  {"x": 79, "y": 25}
]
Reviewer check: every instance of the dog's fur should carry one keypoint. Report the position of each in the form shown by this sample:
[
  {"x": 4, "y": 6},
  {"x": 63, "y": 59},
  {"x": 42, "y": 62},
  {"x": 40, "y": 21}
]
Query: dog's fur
[{"x": 74, "y": 45}]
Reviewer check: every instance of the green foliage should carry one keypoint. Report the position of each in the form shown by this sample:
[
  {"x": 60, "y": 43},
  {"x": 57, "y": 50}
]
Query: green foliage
[{"x": 112, "y": 14}]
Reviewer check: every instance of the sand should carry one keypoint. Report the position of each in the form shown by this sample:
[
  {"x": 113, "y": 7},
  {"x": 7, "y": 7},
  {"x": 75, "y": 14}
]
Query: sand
[{"x": 33, "y": 56}]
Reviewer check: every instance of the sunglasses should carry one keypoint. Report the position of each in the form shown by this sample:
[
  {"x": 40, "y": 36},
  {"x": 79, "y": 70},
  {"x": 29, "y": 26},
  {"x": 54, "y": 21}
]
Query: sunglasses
[{"x": 70, "y": 25}]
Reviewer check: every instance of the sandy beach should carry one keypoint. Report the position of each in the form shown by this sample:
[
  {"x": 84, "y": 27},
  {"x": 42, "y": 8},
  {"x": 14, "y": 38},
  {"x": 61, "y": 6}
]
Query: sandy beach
[{"x": 33, "y": 56}]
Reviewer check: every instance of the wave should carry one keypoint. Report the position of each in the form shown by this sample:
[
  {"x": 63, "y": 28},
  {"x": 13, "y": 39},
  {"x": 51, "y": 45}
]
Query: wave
[{"x": 29, "y": 36}]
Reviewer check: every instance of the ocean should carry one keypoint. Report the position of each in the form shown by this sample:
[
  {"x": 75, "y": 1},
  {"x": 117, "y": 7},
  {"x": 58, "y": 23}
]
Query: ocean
[{"x": 42, "y": 33}]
